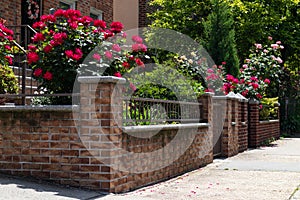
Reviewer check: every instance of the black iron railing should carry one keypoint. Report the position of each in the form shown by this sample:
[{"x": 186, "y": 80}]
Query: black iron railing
[{"x": 144, "y": 111}]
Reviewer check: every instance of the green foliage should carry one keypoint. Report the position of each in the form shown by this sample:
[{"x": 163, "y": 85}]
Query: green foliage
[
  {"x": 255, "y": 20},
  {"x": 220, "y": 37},
  {"x": 166, "y": 82},
  {"x": 185, "y": 16},
  {"x": 291, "y": 125},
  {"x": 269, "y": 108},
  {"x": 8, "y": 80}
]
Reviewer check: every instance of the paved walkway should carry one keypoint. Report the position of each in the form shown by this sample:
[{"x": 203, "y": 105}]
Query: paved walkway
[{"x": 265, "y": 173}]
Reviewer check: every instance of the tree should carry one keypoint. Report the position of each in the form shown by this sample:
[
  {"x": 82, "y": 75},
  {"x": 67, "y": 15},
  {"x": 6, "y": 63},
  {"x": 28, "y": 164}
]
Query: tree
[
  {"x": 220, "y": 37},
  {"x": 185, "y": 16}
]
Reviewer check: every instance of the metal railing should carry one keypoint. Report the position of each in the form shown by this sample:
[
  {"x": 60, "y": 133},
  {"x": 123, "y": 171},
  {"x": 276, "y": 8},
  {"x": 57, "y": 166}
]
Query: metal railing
[
  {"x": 144, "y": 111},
  {"x": 22, "y": 34}
]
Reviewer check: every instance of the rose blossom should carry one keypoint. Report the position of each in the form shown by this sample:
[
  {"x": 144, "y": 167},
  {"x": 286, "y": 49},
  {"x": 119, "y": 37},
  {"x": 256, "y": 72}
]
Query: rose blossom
[
  {"x": 32, "y": 57},
  {"x": 108, "y": 54},
  {"x": 137, "y": 39},
  {"x": 100, "y": 23},
  {"x": 38, "y": 37},
  {"x": 37, "y": 72},
  {"x": 267, "y": 81},
  {"x": 255, "y": 86},
  {"x": 116, "y": 48},
  {"x": 48, "y": 76},
  {"x": 9, "y": 59},
  {"x": 132, "y": 86},
  {"x": 47, "y": 48},
  {"x": 126, "y": 65},
  {"x": 118, "y": 74},
  {"x": 97, "y": 56},
  {"x": 139, "y": 62},
  {"x": 116, "y": 27},
  {"x": 259, "y": 96}
]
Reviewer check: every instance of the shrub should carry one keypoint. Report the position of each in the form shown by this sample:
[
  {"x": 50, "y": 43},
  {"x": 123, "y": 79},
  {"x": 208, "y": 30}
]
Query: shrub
[
  {"x": 8, "y": 81},
  {"x": 269, "y": 108},
  {"x": 66, "y": 38}
]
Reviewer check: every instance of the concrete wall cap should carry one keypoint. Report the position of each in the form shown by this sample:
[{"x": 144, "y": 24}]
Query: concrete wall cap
[
  {"x": 133, "y": 129},
  {"x": 101, "y": 79}
]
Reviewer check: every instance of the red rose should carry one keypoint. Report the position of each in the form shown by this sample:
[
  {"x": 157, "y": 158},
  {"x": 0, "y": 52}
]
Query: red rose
[
  {"x": 267, "y": 81},
  {"x": 38, "y": 37},
  {"x": 229, "y": 77},
  {"x": 255, "y": 85},
  {"x": 244, "y": 93},
  {"x": 69, "y": 53},
  {"x": 76, "y": 57},
  {"x": 118, "y": 74},
  {"x": 116, "y": 48},
  {"x": 97, "y": 56},
  {"x": 100, "y": 23},
  {"x": 137, "y": 39},
  {"x": 126, "y": 65},
  {"x": 139, "y": 62},
  {"x": 32, "y": 48},
  {"x": 40, "y": 25},
  {"x": 37, "y": 72},
  {"x": 116, "y": 27},
  {"x": 48, "y": 48},
  {"x": 48, "y": 76},
  {"x": 259, "y": 96},
  {"x": 135, "y": 47},
  {"x": 9, "y": 59},
  {"x": 86, "y": 20},
  {"x": 132, "y": 86},
  {"x": 143, "y": 47},
  {"x": 59, "y": 13},
  {"x": 32, "y": 57},
  {"x": 108, "y": 55}
]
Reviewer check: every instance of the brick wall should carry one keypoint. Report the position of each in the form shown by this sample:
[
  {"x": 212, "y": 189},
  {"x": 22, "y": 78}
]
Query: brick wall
[
  {"x": 95, "y": 152},
  {"x": 234, "y": 125},
  {"x": 11, "y": 10},
  {"x": 84, "y": 6},
  {"x": 260, "y": 131},
  {"x": 144, "y": 9}
]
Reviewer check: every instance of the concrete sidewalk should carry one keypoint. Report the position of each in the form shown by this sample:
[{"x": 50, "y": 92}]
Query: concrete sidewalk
[{"x": 265, "y": 173}]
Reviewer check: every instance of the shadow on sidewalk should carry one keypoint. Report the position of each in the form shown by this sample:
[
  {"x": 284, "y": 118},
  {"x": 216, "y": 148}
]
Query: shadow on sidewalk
[{"x": 26, "y": 185}]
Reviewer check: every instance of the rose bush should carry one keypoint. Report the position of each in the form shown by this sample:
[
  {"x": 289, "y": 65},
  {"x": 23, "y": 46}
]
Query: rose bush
[
  {"x": 261, "y": 71},
  {"x": 64, "y": 39},
  {"x": 8, "y": 80},
  {"x": 6, "y": 38}
]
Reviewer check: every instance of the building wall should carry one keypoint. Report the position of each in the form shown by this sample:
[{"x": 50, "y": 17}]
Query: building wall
[
  {"x": 11, "y": 10},
  {"x": 127, "y": 12}
]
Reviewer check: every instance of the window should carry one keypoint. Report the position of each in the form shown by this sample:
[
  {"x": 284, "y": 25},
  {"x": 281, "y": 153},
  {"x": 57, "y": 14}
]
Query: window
[
  {"x": 67, "y": 4},
  {"x": 96, "y": 14}
]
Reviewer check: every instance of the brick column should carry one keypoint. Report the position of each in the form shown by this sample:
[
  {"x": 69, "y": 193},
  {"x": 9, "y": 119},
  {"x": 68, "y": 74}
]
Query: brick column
[
  {"x": 253, "y": 123},
  {"x": 228, "y": 105},
  {"x": 100, "y": 126},
  {"x": 207, "y": 113},
  {"x": 243, "y": 124}
]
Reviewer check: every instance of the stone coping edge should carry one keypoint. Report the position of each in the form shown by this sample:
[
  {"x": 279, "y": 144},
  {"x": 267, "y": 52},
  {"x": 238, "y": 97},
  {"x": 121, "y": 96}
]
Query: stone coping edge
[
  {"x": 67, "y": 108},
  {"x": 101, "y": 79},
  {"x": 269, "y": 121},
  {"x": 133, "y": 129}
]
